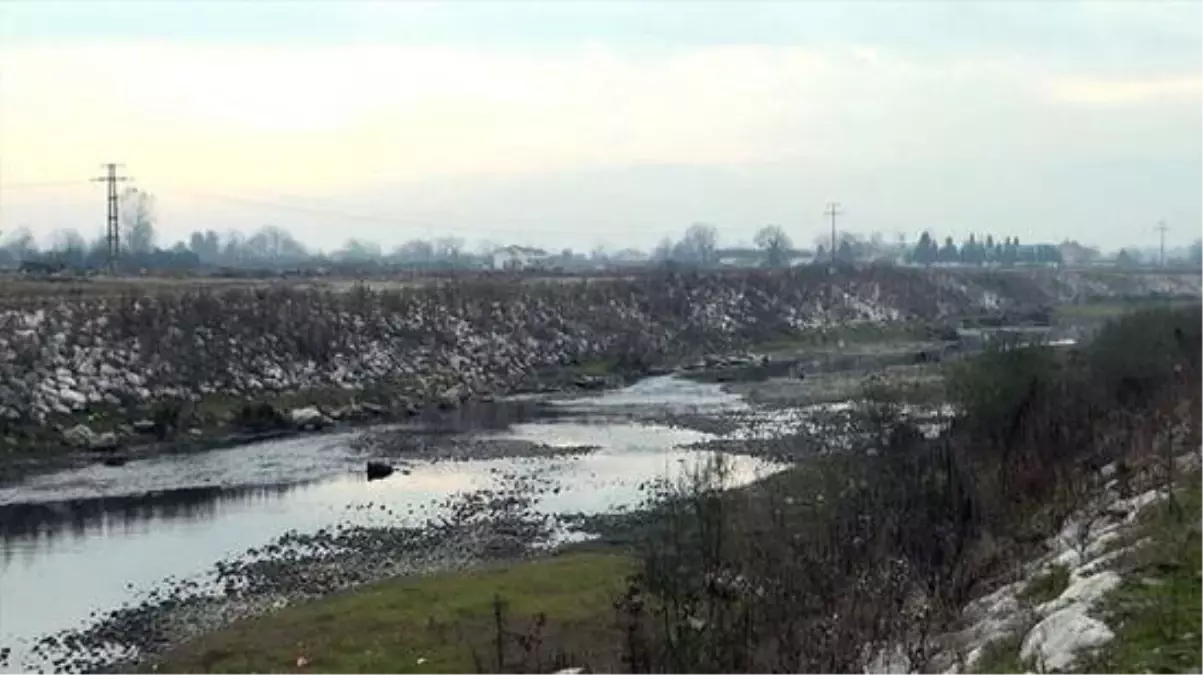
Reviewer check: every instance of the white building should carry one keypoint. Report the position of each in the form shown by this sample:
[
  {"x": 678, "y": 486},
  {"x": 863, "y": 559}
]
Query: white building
[{"x": 519, "y": 258}]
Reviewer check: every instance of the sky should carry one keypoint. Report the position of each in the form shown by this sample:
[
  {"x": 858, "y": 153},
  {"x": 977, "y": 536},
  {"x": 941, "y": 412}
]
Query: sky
[{"x": 583, "y": 124}]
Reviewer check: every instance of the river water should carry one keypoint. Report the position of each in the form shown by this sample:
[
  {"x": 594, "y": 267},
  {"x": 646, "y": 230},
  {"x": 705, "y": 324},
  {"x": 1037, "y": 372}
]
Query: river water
[{"x": 77, "y": 543}]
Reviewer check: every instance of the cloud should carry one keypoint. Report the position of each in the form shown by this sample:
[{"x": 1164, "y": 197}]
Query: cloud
[
  {"x": 811, "y": 91},
  {"x": 1180, "y": 89},
  {"x": 288, "y": 112}
]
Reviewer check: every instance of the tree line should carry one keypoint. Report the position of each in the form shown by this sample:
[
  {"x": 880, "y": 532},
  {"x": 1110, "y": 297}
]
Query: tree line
[
  {"x": 275, "y": 247},
  {"x": 1008, "y": 251}
]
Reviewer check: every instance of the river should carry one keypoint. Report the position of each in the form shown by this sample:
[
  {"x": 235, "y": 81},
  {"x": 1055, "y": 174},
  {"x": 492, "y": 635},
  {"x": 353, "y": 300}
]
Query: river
[{"x": 78, "y": 543}]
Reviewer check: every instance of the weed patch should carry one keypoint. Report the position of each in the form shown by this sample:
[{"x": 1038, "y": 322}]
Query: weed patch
[
  {"x": 447, "y": 623},
  {"x": 1155, "y": 612},
  {"x": 1046, "y": 586}
]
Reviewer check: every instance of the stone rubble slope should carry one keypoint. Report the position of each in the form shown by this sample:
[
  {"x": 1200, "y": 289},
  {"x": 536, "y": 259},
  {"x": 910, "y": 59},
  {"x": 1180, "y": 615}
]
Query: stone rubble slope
[
  {"x": 59, "y": 357},
  {"x": 1056, "y": 633}
]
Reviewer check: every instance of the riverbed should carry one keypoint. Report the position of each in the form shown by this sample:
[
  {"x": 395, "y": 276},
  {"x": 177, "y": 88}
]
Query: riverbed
[{"x": 76, "y": 545}]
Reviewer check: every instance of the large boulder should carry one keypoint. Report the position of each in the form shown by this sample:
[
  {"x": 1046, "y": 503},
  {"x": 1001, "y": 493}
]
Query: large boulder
[
  {"x": 378, "y": 470},
  {"x": 80, "y": 436},
  {"x": 309, "y": 418},
  {"x": 1055, "y": 643}
]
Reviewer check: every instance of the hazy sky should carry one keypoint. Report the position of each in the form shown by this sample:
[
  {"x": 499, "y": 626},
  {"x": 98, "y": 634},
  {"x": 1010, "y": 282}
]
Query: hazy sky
[{"x": 577, "y": 123}]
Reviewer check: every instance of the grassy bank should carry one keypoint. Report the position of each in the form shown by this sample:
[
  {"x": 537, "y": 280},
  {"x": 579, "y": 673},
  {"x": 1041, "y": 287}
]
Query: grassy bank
[
  {"x": 1155, "y": 613},
  {"x": 442, "y": 624},
  {"x": 863, "y": 336}
]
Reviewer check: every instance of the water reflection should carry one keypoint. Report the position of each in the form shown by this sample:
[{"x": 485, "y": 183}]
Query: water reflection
[
  {"x": 46, "y": 521},
  {"x": 97, "y": 537}
]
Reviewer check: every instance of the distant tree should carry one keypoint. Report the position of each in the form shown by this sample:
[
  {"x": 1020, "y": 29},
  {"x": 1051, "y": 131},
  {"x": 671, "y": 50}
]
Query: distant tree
[
  {"x": 233, "y": 252},
  {"x": 925, "y": 252},
  {"x": 196, "y": 242},
  {"x": 95, "y": 252},
  {"x": 972, "y": 251},
  {"x": 1007, "y": 252},
  {"x": 776, "y": 245},
  {"x": 663, "y": 251},
  {"x": 358, "y": 250},
  {"x": 700, "y": 245},
  {"x": 820, "y": 253},
  {"x": 1196, "y": 253},
  {"x": 137, "y": 221},
  {"x": 69, "y": 240},
  {"x": 845, "y": 253},
  {"x": 448, "y": 249},
  {"x": 1125, "y": 259},
  {"x": 21, "y": 244},
  {"x": 212, "y": 248},
  {"x": 948, "y": 253},
  {"x": 415, "y": 252}
]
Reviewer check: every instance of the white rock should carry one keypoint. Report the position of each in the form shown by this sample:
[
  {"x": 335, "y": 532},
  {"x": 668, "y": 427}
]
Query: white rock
[
  {"x": 1053, "y": 644},
  {"x": 1083, "y": 592},
  {"x": 307, "y": 415},
  {"x": 80, "y": 436}
]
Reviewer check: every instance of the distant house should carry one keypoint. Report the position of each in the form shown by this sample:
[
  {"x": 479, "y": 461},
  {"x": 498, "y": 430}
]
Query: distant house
[
  {"x": 628, "y": 257},
  {"x": 1073, "y": 253},
  {"x": 519, "y": 258}
]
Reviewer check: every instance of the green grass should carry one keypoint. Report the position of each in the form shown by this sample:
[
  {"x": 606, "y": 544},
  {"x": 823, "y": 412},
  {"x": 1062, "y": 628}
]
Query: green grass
[
  {"x": 1110, "y": 309},
  {"x": 1155, "y": 613},
  {"x": 445, "y": 620},
  {"x": 1002, "y": 656},
  {"x": 598, "y": 367},
  {"x": 1046, "y": 586}
]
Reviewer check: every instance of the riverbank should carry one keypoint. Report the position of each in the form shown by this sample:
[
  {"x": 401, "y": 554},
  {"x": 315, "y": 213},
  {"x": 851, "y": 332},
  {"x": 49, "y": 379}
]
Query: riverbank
[
  {"x": 443, "y": 623},
  {"x": 718, "y": 567},
  {"x": 106, "y": 376}
]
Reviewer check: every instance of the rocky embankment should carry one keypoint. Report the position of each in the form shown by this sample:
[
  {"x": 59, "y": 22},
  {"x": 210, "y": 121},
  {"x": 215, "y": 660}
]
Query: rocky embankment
[{"x": 103, "y": 372}]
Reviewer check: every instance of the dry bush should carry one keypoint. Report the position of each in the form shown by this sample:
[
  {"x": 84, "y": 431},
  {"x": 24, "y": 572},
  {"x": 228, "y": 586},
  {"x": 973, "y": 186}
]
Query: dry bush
[{"x": 828, "y": 566}]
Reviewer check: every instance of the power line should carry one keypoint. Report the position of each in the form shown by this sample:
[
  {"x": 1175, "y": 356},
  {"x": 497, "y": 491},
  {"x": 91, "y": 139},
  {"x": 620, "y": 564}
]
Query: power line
[
  {"x": 112, "y": 230},
  {"x": 833, "y": 210},
  {"x": 1162, "y": 227},
  {"x": 345, "y": 215},
  {"x": 41, "y": 184}
]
